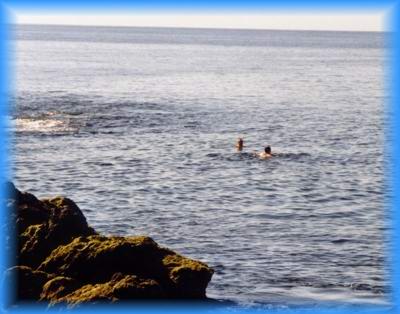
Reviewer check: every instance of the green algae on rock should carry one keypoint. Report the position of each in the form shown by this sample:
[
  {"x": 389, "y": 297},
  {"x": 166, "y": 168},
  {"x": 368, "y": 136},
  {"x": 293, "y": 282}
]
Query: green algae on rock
[
  {"x": 57, "y": 288},
  {"x": 96, "y": 259},
  {"x": 62, "y": 260},
  {"x": 42, "y": 225},
  {"x": 119, "y": 287}
]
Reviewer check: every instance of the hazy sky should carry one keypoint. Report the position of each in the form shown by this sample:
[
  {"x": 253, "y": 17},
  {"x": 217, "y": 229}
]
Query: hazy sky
[{"x": 350, "y": 21}]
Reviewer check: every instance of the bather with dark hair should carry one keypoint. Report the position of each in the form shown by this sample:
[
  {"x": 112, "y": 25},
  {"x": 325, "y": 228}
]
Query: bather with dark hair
[{"x": 267, "y": 153}]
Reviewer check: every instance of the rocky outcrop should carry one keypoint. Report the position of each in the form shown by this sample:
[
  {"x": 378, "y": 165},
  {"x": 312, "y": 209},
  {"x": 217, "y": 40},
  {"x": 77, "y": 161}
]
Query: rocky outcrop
[
  {"x": 96, "y": 259},
  {"x": 26, "y": 282},
  {"x": 60, "y": 259},
  {"x": 41, "y": 226}
]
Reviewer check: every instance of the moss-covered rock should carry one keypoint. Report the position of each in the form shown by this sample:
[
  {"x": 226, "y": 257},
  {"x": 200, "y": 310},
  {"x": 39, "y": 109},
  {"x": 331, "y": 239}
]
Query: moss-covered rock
[
  {"x": 44, "y": 225},
  {"x": 58, "y": 287},
  {"x": 120, "y": 287},
  {"x": 96, "y": 259},
  {"x": 184, "y": 272},
  {"x": 63, "y": 260}
]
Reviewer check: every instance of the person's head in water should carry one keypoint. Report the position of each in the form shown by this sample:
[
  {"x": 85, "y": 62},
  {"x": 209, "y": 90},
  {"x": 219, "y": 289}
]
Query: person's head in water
[
  {"x": 267, "y": 150},
  {"x": 239, "y": 144}
]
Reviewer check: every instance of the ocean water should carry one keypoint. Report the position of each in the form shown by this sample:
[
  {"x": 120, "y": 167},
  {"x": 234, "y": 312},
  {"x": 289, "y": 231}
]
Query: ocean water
[{"x": 138, "y": 126}]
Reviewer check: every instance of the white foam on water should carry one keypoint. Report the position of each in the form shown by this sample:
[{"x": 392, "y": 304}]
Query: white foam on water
[{"x": 39, "y": 125}]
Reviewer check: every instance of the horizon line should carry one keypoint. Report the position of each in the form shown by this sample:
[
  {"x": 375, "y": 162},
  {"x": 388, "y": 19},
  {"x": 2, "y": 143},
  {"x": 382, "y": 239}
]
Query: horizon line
[
  {"x": 311, "y": 21},
  {"x": 199, "y": 27}
]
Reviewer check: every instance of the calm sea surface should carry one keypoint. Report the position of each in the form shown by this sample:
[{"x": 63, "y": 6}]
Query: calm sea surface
[{"x": 138, "y": 126}]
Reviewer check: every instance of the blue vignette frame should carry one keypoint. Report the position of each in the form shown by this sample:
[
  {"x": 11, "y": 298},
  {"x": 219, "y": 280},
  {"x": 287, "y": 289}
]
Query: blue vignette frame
[{"x": 392, "y": 144}]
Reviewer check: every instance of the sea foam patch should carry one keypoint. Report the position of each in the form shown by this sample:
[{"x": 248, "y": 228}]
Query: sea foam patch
[{"x": 33, "y": 125}]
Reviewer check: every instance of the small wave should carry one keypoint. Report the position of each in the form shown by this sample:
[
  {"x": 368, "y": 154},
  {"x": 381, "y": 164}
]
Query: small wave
[
  {"x": 340, "y": 241},
  {"x": 247, "y": 156},
  {"x": 73, "y": 113},
  {"x": 234, "y": 156},
  {"x": 305, "y": 282},
  {"x": 293, "y": 156},
  {"x": 213, "y": 155}
]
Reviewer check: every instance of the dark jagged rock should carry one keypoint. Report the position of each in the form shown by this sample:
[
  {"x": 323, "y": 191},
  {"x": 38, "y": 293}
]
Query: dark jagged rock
[
  {"x": 28, "y": 282},
  {"x": 62, "y": 260}
]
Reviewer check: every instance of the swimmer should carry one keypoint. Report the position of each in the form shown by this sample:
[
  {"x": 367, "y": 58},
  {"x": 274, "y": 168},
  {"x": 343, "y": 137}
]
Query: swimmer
[
  {"x": 239, "y": 145},
  {"x": 265, "y": 154}
]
